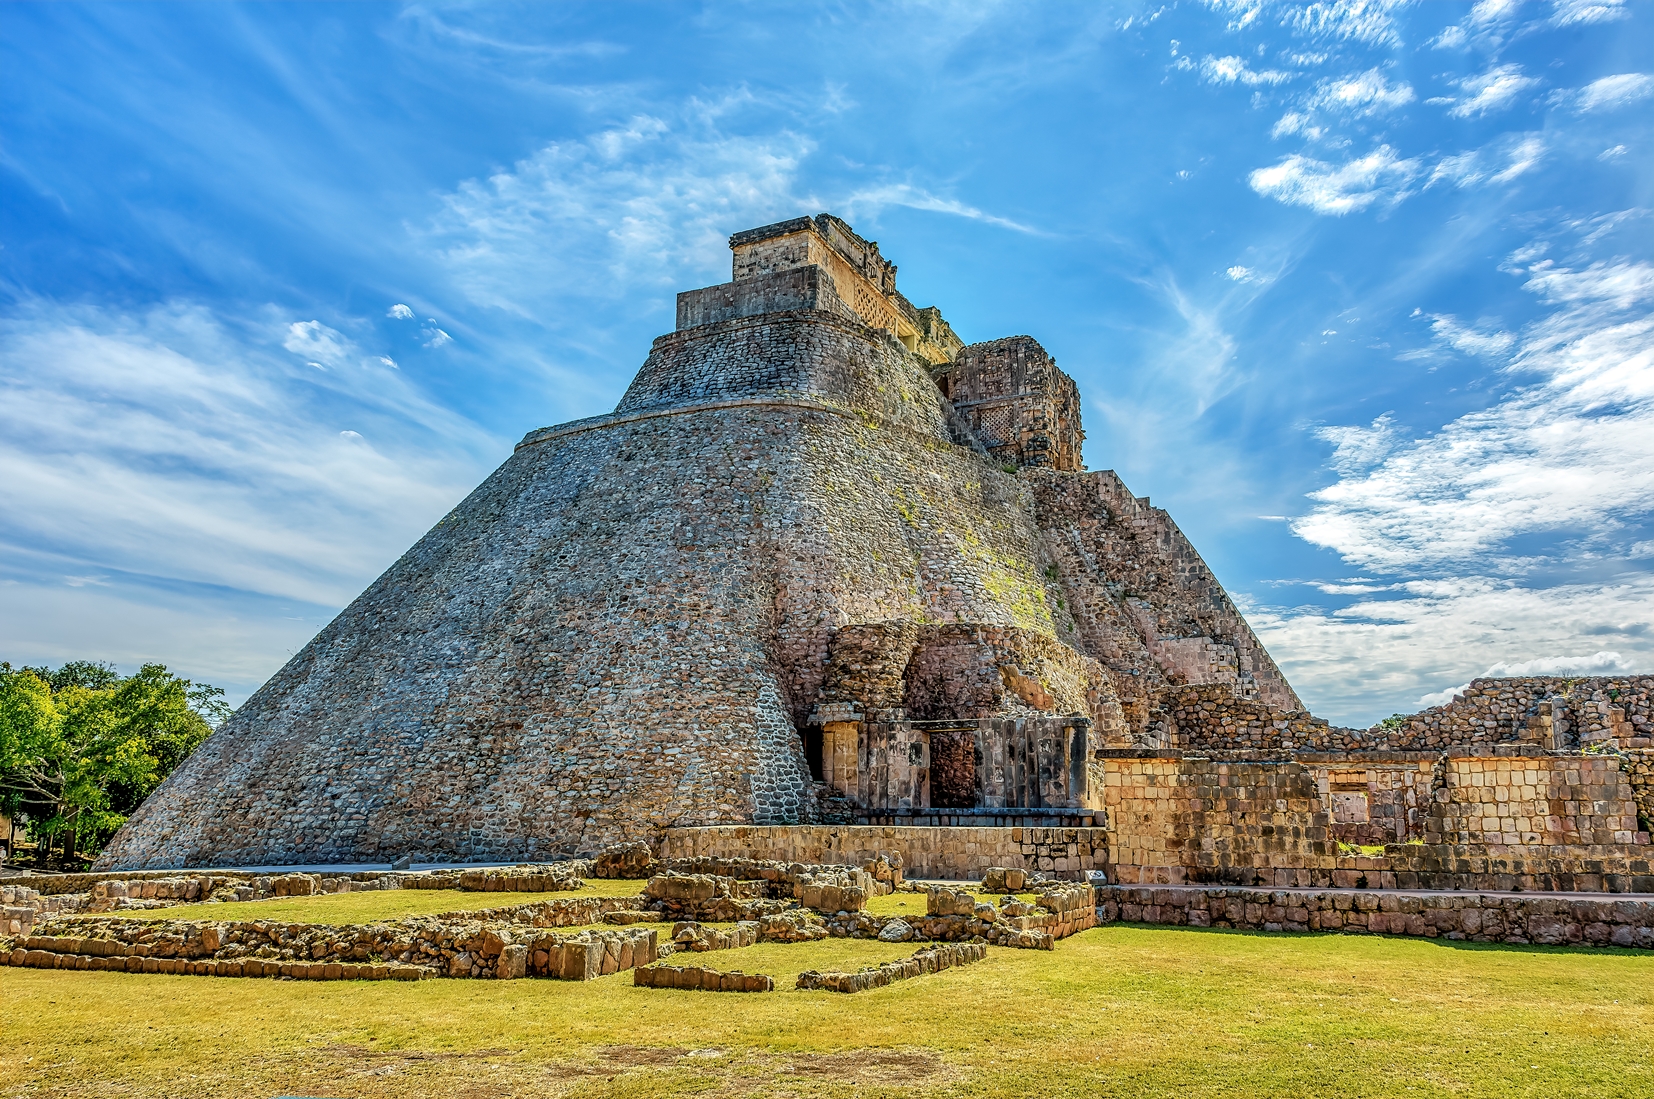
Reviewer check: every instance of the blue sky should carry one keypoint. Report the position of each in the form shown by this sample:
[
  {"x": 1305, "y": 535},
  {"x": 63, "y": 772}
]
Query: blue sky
[{"x": 1363, "y": 293}]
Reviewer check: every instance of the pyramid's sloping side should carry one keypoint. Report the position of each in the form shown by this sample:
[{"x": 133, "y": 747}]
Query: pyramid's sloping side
[{"x": 620, "y": 628}]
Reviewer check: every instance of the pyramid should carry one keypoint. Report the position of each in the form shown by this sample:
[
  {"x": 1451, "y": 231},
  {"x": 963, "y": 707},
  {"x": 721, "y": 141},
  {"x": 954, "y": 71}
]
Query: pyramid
[{"x": 822, "y": 560}]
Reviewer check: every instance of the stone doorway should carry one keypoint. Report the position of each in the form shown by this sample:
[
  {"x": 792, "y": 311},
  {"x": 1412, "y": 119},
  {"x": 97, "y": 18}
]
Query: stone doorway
[{"x": 953, "y": 768}]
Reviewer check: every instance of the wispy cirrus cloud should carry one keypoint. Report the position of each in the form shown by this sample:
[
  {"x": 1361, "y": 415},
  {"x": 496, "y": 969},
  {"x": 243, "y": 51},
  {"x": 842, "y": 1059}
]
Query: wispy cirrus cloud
[
  {"x": 1497, "y": 89},
  {"x": 1607, "y": 94},
  {"x": 220, "y": 458},
  {"x": 1337, "y": 189},
  {"x": 1368, "y": 22},
  {"x": 1340, "y": 99},
  {"x": 1500, "y": 161},
  {"x": 1232, "y": 70},
  {"x": 650, "y": 202}
]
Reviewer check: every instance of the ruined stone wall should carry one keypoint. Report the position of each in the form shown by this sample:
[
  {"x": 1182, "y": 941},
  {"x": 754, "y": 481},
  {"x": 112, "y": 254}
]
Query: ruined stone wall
[
  {"x": 1540, "y": 712},
  {"x": 1022, "y": 408},
  {"x": 1197, "y": 820},
  {"x": 1211, "y": 717},
  {"x": 1549, "y": 711},
  {"x": 955, "y": 854}
]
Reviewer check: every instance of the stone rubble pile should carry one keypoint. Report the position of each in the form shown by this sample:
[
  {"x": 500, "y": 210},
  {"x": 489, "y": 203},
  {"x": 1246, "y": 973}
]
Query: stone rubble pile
[
  {"x": 1000, "y": 879},
  {"x": 929, "y": 960},
  {"x": 694, "y": 937},
  {"x": 629, "y": 861},
  {"x": 709, "y": 897},
  {"x": 793, "y": 926},
  {"x": 877, "y": 876},
  {"x": 546, "y": 878},
  {"x": 701, "y": 979}
]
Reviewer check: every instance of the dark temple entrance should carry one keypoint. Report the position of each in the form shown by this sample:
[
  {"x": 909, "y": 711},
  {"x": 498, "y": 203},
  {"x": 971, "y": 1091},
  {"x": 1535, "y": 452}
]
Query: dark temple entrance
[{"x": 953, "y": 768}]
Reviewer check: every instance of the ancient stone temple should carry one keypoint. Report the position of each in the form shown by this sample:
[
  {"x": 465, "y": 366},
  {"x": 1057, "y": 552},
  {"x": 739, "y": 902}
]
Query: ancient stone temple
[
  {"x": 829, "y": 584},
  {"x": 823, "y": 561}
]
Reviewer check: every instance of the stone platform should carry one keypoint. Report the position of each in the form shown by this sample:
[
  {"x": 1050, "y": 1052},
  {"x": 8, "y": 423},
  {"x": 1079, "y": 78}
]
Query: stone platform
[{"x": 1547, "y": 919}]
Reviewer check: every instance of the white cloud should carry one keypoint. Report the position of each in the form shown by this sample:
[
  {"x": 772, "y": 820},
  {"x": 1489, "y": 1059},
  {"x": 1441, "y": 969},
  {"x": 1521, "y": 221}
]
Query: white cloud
[
  {"x": 1472, "y": 341},
  {"x": 1368, "y": 21},
  {"x": 400, "y": 313},
  {"x": 1337, "y": 189},
  {"x": 1570, "y": 458},
  {"x": 1230, "y": 70},
  {"x": 1363, "y": 94},
  {"x": 1587, "y": 11},
  {"x": 161, "y": 445},
  {"x": 1487, "y": 25},
  {"x": 1494, "y": 90},
  {"x": 644, "y": 204},
  {"x": 1609, "y": 93},
  {"x": 436, "y": 337},
  {"x": 648, "y": 205},
  {"x": 315, "y": 341},
  {"x": 1445, "y": 633},
  {"x": 1612, "y": 154},
  {"x": 1240, "y": 274},
  {"x": 1499, "y": 161},
  {"x": 1297, "y": 122},
  {"x": 875, "y": 198}
]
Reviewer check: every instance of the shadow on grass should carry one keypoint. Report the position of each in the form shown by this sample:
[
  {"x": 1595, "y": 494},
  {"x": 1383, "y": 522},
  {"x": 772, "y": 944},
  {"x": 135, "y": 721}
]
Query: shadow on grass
[{"x": 1438, "y": 940}]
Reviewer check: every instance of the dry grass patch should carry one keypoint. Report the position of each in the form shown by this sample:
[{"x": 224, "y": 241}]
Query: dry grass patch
[{"x": 1118, "y": 1011}]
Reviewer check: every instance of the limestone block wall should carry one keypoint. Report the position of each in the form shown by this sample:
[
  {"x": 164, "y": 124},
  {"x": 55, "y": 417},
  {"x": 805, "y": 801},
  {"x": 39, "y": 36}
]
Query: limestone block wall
[
  {"x": 1198, "y": 820},
  {"x": 1534, "y": 801},
  {"x": 956, "y": 854}
]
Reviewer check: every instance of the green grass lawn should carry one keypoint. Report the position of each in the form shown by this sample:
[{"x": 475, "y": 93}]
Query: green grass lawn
[
  {"x": 390, "y": 904},
  {"x": 1118, "y": 1011}
]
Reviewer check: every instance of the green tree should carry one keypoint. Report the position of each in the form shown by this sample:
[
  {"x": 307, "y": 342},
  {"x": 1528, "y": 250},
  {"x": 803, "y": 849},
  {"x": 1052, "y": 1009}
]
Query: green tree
[{"x": 81, "y": 747}]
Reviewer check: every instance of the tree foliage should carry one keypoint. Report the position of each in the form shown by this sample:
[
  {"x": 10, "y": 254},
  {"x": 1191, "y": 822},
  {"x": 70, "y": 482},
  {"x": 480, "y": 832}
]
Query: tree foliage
[{"x": 81, "y": 746}]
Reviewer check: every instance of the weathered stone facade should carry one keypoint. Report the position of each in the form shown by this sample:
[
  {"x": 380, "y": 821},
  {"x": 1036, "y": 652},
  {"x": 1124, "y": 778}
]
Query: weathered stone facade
[{"x": 641, "y": 621}]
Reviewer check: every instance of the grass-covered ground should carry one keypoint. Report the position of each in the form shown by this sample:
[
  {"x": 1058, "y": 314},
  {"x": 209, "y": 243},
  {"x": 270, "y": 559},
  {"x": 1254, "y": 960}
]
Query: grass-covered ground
[
  {"x": 1118, "y": 1011},
  {"x": 389, "y": 904}
]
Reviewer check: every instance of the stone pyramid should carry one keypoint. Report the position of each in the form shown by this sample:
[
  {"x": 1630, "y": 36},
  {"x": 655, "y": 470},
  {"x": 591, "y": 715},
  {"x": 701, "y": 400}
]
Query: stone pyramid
[{"x": 822, "y": 560}]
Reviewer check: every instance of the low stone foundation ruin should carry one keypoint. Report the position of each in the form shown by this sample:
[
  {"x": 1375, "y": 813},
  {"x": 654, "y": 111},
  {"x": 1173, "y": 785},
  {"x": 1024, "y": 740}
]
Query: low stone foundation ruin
[
  {"x": 1477, "y": 917},
  {"x": 933, "y": 959}
]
